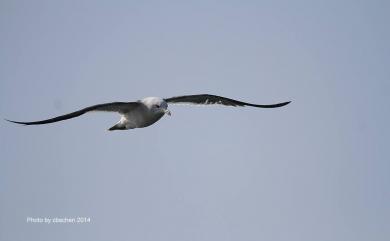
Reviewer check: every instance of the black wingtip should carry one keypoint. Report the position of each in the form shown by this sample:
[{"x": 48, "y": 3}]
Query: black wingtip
[
  {"x": 16, "y": 122},
  {"x": 280, "y": 104},
  {"x": 270, "y": 106},
  {"x": 286, "y": 103}
]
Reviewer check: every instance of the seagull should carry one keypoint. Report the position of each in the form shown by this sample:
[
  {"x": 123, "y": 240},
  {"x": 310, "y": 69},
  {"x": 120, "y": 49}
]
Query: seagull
[{"x": 145, "y": 112}]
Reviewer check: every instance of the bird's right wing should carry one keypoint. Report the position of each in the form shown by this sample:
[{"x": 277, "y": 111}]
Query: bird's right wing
[{"x": 120, "y": 107}]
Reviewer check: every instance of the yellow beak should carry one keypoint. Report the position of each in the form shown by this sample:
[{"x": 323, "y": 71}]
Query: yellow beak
[{"x": 167, "y": 112}]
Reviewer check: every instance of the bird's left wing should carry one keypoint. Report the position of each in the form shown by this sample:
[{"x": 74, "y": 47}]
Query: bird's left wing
[
  {"x": 206, "y": 99},
  {"x": 120, "y": 107}
]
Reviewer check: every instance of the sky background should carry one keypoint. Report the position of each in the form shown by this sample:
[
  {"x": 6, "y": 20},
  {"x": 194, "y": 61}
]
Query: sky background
[{"x": 317, "y": 169}]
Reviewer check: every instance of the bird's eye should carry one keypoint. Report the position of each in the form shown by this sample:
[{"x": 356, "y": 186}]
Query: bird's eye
[{"x": 157, "y": 106}]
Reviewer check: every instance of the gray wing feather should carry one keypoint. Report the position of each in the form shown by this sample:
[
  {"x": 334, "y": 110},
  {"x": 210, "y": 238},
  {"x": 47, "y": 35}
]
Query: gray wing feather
[
  {"x": 206, "y": 99},
  {"x": 120, "y": 107}
]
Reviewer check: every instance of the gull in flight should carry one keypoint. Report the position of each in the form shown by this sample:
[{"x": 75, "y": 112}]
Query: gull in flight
[{"x": 145, "y": 112}]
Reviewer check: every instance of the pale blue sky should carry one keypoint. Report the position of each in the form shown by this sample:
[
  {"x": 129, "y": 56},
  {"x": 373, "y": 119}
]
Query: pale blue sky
[{"x": 317, "y": 169}]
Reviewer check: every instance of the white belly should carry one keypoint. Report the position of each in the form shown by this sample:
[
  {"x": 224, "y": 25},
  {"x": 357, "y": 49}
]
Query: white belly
[{"x": 140, "y": 118}]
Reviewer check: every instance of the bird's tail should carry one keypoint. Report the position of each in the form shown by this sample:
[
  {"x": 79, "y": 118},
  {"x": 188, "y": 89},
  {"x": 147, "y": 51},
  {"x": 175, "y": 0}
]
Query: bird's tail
[{"x": 118, "y": 126}]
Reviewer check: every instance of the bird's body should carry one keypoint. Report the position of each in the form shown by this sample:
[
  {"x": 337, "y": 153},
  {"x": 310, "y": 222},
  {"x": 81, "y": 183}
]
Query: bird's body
[{"x": 145, "y": 112}]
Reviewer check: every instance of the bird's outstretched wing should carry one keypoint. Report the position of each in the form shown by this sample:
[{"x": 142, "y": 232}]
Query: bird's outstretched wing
[
  {"x": 120, "y": 107},
  {"x": 206, "y": 99}
]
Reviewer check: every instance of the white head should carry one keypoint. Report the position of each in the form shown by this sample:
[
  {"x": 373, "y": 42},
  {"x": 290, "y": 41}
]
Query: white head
[{"x": 156, "y": 105}]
